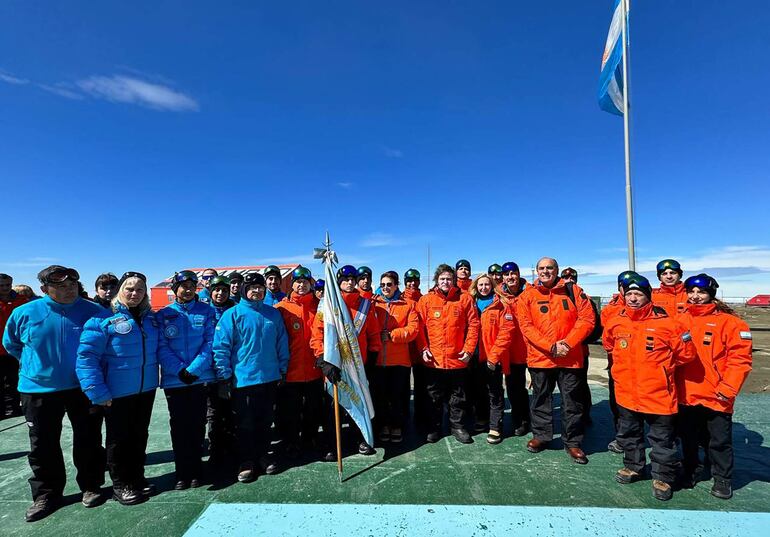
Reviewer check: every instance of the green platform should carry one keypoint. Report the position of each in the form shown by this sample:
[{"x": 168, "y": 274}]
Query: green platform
[{"x": 445, "y": 473}]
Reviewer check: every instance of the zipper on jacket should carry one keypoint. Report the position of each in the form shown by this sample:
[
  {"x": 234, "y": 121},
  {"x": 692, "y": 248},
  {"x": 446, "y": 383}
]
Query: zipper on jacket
[{"x": 144, "y": 356}]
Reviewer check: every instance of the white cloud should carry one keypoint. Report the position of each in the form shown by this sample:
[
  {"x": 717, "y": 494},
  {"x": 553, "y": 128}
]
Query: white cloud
[
  {"x": 126, "y": 89},
  {"x": 391, "y": 152},
  {"x": 62, "y": 90},
  {"x": 344, "y": 184},
  {"x": 10, "y": 79},
  {"x": 375, "y": 240}
]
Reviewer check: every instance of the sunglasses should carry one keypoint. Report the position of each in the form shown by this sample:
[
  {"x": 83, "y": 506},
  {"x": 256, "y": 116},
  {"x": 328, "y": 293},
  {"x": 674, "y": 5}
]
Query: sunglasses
[
  {"x": 207, "y": 277},
  {"x": 130, "y": 274},
  {"x": 388, "y": 284},
  {"x": 60, "y": 276}
]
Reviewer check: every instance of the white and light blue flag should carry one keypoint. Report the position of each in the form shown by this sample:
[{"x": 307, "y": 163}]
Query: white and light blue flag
[
  {"x": 611, "y": 84},
  {"x": 341, "y": 349}
]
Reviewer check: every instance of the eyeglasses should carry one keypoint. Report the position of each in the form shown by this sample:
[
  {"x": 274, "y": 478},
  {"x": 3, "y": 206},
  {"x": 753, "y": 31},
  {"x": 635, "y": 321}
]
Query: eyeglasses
[
  {"x": 207, "y": 277},
  {"x": 60, "y": 276},
  {"x": 127, "y": 275},
  {"x": 387, "y": 284}
]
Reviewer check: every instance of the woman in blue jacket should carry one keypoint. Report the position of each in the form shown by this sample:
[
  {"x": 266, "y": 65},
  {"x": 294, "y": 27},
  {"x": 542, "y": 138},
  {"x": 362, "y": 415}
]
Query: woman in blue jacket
[
  {"x": 187, "y": 366},
  {"x": 117, "y": 368}
]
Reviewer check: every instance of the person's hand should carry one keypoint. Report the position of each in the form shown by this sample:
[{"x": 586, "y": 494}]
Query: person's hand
[
  {"x": 384, "y": 336},
  {"x": 464, "y": 357},
  {"x": 427, "y": 356},
  {"x": 187, "y": 377},
  {"x": 224, "y": 389},
  {"x": 561, "y": 349},
  {"x": 106, "y": 403},
  {"x": 331, "y": 372},
  {"x": 282, "y": 380},
  {"x": 492, "y": 366}
]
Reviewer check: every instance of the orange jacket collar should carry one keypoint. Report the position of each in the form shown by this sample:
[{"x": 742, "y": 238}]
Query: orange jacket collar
[
  {"x": 699, "y": 310},
  {"x": 672, "y": 289}
]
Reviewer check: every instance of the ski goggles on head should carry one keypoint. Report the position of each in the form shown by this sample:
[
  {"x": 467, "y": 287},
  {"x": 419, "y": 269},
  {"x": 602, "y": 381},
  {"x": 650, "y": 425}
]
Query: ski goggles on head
[
  {"x": 637, "y": 282},
  {"x": 131, "y": 274},
  {"x": 626, "y": 276},
  {"x": 319, "y": 285},
  {"x": 61, "y": 275},
  {"x": 185, "y": 276},
  {"x": 301, "y": 273},
  {"x": 569, "y": 273},
  {"x": 220, "y": 281},
  {"x": 364, "y": 271},
  {"x": 510, "y": 266},
  {"x": 347, "y": 271},
  {"x": 672, "y": 264},
  {"x": 702, "y": 281},
  {"x": 412, "y": 274},
  {"x": 495, "y": 269},
  {"x": 463, "y": 263}
]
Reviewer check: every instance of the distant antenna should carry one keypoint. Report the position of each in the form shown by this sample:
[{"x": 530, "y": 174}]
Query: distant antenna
[{"x": 427, "y": 274}]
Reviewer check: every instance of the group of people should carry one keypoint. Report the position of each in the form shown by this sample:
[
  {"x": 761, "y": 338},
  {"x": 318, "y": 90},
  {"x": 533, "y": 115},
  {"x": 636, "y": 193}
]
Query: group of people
[{"x": 241, "y": 356}]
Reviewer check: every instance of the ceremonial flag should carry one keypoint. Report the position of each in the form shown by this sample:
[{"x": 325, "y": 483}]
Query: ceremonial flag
[
  {"x": 341, "y": 349},
  {"x": 611, "y": 83}
]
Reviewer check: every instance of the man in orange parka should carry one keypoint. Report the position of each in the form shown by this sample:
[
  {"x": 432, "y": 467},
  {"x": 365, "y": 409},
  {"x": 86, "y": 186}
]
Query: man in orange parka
[
  {"x": 671, "y": 295},
  {"x": 368, "y": 327},
  {"x": 300, "y": 397},
  {"x": 10, "y": 404},
  {"x": 647, "y": 345},
  {"x": 448, "y": 337},
  {"x": 412, "y": 292},
  {"x": 400, "y": 324},
  {"x": 463, "y": 274},
  {"x": 516, "y": 374},
  {"x": 555, "y": 325}
]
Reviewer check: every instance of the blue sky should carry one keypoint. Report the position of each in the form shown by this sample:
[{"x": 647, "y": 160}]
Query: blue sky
[{"x": 158, "y": 135}]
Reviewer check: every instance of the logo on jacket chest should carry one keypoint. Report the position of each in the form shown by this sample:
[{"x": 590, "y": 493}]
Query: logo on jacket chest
[
  {"x": 296, "y": 325},
  {"x": 122, "y": 327},
  {"x": 171, "y": 331},
  {"x": 623, "y": 343}
]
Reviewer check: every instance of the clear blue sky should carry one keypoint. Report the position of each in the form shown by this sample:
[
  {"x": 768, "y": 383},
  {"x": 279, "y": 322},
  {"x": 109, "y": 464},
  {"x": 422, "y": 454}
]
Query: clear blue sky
[{"x": 159, "y": 135}]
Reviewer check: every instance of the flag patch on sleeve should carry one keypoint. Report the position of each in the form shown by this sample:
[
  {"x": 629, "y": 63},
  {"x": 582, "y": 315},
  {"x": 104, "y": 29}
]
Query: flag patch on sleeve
[
  {"x": 686, "y": 337},
  {"x": 745, "y": 335}
]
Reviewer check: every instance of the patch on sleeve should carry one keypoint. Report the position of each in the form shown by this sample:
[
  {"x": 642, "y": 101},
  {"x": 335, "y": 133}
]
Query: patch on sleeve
[
  {"x": 508, "y": 317},
  {"x": 686, "y": 337},
  {"x": 745, "y": 335}
]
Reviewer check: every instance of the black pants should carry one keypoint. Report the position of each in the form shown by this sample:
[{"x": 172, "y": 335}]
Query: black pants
[
  {"x": 390, "y": 391},
  {"x": 518, "y": 395},
  {"x": 496, "y": 398},
  {"x": 697, "y": 423},
  {"x": 421, "y": 399},
  {"x": 661, "y": 434},
  {"x": 44, "y": 413},
  {"x": 613, "y": 402},
  {"x": 128, "y": 423},
  {"x": 221, "y": 424},
  {"x": 585, "y": 390},
  {"x": 478, "y": 390},
  {"x": 9, "y": 380},
  {"x": 254, "y": 414},
  {"x": 187, "y": 419},
  {"x": 447, "y": 386},
  {"x": 543, "y": 383},
  {"x": 298, "y": 411}
]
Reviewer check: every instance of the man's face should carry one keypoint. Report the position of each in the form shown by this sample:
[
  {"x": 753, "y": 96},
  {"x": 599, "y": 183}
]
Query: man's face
[
  {"x": 669, "y": 277},
  {"x": 696, "y": 295},
  {"x": 497, "y": 277},
  {"x": 319, "y": 294},
  {"x": 412, "y": 284},
  {"x": 207, "y": 276},
  {"x": 65, "y": 292},
  {"x": 185, "y": 292},
  {"x": 445, "y": 281},
  {"x": 547, "y": 271},
  {"x": 511, "y": 279},
  {"x": 220, "y": 294},
  {"x": 301, "y": 287},
  {"x": 5, "y": 287},
  {"x": 107, "y": 290},
  {"x": 348, "y": 284},
  {"x": 235, "y": 288},
  {"x": 255, "y": 292},
  {"x": 365, "y": 283},
  {"x": 463, "y": 273},
  {"x": 133, "y": 293},
  {"x": 569, "y": 277},
  {"x": 635, "y": 299},
  {"x": 273, "y": 283},
  {"x": 388, "y": 287}
]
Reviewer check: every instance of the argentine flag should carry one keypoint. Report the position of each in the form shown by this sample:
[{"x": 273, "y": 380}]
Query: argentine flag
[
  {"x": 611, "y": 84},
  {"x": 341, "y": 349}
]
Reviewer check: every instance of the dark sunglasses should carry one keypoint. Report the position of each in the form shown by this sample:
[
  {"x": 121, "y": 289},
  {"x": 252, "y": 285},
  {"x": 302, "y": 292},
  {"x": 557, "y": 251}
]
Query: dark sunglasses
[
  {"x": 390, "y": 284},
  {"x": 61, "y": 276}
]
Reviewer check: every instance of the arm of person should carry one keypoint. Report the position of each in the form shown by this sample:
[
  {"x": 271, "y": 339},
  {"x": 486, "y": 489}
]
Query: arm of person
[
  {"x": 409, "y": 331},
  {"x": 12, "y": 335},
  {"x": 586, "y": 319},
  {"x": 738, "y": 360},
  {"x": 473, "y": 325},
  {"x": 282, "y": 344},
  {"x": 222, "y": 346},
  {"x": 205, "y": 356},
  {"x": 682, "y": 346},
  {"x": 317, "y": 334},
  {"x": 528, "y": 329},
  {"x": 373, "y": 329},
  {"x": 89, "y": 364},
  {"x": 504, "y": 338}
]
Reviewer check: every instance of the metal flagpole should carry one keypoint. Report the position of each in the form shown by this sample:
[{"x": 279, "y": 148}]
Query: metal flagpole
[
  {"x": 338, "y": 429},
  {"x": 627, "y": 134}
]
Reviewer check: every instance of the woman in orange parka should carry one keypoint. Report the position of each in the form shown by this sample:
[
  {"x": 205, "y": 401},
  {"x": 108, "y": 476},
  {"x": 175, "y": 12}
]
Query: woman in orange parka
[
  {"x": 671, "y": 295},
  {"x": 448, "y": 336},
  {"x": 647, "y": 346},
  {"x": 300, "y": 398},
  {"x": 399, "y": 323},
  {"x": 708, "y": 386},
  {"x": 490, "y": 361}
]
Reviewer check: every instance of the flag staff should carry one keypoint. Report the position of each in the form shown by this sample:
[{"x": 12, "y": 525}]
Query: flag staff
[{"x": 627, "y": 135}]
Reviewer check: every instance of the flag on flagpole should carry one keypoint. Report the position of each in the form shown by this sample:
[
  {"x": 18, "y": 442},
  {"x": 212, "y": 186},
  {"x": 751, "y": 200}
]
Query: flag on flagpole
[
  {"x": 611, "y": 83},
  {"x": 341, "y": 350}
]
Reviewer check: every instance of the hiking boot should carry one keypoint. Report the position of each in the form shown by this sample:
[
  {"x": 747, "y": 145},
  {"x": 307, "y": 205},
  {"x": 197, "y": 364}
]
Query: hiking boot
[
  {"x": 462, "y": 436},
  {"x": 147, "y": 488},
  {"x": 625, "y": 476},
  {"x": 92, "y": 498},
  {"x": 42, "y": 508},
  {"x": 268, "y": 465},
  {"x": 127, "y": 495},
  {"x": 494, "y": 437},
  {"x": 195, "y": 483},
  {"x": 577, "y": 454},
  {"x": 661, "y": 491},
  {"x": 182, "y": 485},
  {"x": 364, "y": 449},
  {"x": 722, "y": 489},
  {"x": 396, "y": 435},
  {"x": 614, "y": 447},
  {"x": 330, "y": 457},
  {"x": 433, "y": 437},
  {"x": 246, "y": 473},
  {"x": 522, "y": 429},
  {"x": 385, "y": 434},
  {"x": 536, "y": 446}
]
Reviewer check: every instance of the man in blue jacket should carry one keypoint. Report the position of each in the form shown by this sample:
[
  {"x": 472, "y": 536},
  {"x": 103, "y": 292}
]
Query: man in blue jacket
[
  {"x": 251, "y": 354},
  {"x": 273, "y": 294},
  {"x": 44, "y": 336}
]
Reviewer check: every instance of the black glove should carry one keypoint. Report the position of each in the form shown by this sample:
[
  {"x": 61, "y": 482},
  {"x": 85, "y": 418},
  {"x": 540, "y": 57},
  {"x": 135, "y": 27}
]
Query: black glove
[
  {"x": 187, "y": 377},
  {"x": 493, "y": 367},
  {"x": 224, "y": 389},
  {"x": 330, "y": 371},
  {"x": 371, "y": 358}
]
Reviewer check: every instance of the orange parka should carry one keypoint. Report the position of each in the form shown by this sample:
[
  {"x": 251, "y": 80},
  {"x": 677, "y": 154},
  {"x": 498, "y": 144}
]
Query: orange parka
[
  {"x": 517, "y": 350},
  {"x": 647, "y": 346},
  {"x": 413, "y": 295},
  {"x": 498, "y": 325},
  {"x": 464, "y": 284},
  {"x": 298, "y": 313},
  {"x": 672, "y": 298},
  {"x": 613, "y": 307},
  {"x": 449, "y": 326},
  {"x": 13, "y": 301},
  {"x": 547, "y": 315},
  {"x": 401, "y": 321},
  {"x": 724, "y": 360},
  {"x": 368, "y": 334}
]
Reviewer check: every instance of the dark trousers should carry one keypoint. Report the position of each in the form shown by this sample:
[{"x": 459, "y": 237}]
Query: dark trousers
[
  {"x": 390, "y": 392},
  {"x": 298, "y": 411},
  {"x": 496, "y": 398},
  {"x": 9, "y": 380},
  {"x": 420, "y": 390},
  {"x": 221, "y": 424},
  {"x": 44, "y": 413},
  {"x": 543, "y": 383},
  {"x": 254, "y": 414},
  {"x": 447, "y": 386},
  {"x": 661, "y": 434},
  {"x": 187, "y": 419},
  {"x": 128, "y": 423},
  {"x": 613, "y": 402},
  {"x": 585, "y": 390},
  {"x": 697, "y": 423},
  {"x": 518, "y": 395},
  {"x": 478, "y": 390}
]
